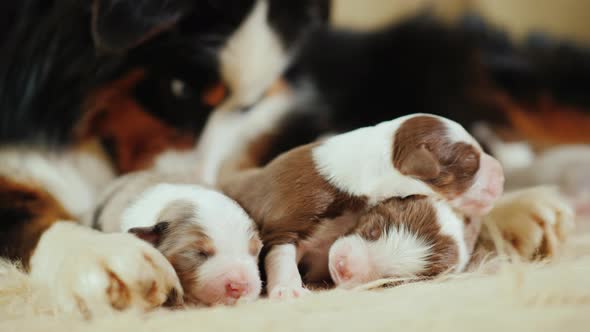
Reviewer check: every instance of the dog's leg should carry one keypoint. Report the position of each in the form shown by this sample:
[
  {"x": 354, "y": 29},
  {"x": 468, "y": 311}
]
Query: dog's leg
[
  {"x": 26, "y": 211},
  {"x": 86, "y": 271},
  {"x": 93, "y": 273},
  {"x": 532, "y": 223},
  {"x": 284, "y": 280}
]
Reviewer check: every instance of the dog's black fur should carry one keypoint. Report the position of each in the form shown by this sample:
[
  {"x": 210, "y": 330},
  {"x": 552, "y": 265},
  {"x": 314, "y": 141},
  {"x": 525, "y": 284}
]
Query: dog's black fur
[
  {"x": 55, "y": 52},
  {"x": 422, "y": 65}
]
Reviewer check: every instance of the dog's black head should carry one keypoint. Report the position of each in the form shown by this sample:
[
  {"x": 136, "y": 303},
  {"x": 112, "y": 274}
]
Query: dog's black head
[
  {"x": 118, "y": 25},
  {"x": 249, "y": 41},
  {"x": 187, "y": 48}
]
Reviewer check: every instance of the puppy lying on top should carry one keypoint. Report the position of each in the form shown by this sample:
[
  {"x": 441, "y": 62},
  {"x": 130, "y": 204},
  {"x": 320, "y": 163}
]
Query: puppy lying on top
[
  {"x": 379, "y": 202},
  {"x": 210, "y": 241}
]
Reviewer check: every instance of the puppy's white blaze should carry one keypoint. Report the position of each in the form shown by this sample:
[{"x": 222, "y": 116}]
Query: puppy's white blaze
[
  {"x": 360, "y": 163},
  {"x": 253, "y": 57},
  {"x": 399, "y": 253},
  {"x": 453, "y": 226},
  {"x": 222, "y": 219}
]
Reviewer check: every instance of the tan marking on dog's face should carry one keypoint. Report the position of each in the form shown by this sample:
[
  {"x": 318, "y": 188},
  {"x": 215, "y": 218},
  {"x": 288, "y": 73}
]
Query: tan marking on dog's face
[
  {"x": 423, "y": 150},
  {"x": 185, "y": 244},
  {"x": 113, "y": 116},
  {"x": 26, "y": 212},
  {"x": 288, "y": 197},
  {"x": 416, "y": 214}
]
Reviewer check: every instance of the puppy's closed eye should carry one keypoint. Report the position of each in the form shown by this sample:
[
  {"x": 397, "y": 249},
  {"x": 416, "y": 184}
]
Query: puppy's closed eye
[{"x": 204, "y": 254}]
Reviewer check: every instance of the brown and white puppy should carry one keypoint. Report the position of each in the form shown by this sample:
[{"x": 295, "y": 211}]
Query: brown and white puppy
[
  {"x": 210, "y": 241},
  {"x": 403, "y": 238},
  {"x": 339, "y": 179}
]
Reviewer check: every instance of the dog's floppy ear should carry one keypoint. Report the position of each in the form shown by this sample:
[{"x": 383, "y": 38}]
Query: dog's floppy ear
[
  {"x": 118, "y": 25},
  {"x": 152, "y": 234},
  {"x": 421, "y": 164}
]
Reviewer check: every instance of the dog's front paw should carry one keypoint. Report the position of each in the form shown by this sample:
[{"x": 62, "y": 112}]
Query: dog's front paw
[
  {"x": 533, "y": 222},
  {"x": 286, "y": 292},
  {"x": 93, "y": 273}
]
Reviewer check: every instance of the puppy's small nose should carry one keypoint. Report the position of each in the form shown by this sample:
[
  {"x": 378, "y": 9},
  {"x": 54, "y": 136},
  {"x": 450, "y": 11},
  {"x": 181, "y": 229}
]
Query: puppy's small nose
[
  {"x": 236, "y": 289},
  {"x": 343, "y": 271}
]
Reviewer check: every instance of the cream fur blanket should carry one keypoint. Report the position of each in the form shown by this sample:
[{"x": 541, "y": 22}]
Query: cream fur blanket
[{"x": 552, "y": 296}]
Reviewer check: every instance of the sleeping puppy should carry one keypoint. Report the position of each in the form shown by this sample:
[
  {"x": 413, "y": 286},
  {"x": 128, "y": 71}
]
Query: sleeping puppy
[
  {"x": 407, "y": 238},
  {"x": 336, "y": 181},
  {"x": 210, "y": 241}
]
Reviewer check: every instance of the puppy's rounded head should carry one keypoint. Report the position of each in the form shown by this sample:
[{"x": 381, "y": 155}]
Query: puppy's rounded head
[
  {"x": 399, "y": 238},
  {"x": 442, "y": 154},
  {"x": 211, "y": 242}
]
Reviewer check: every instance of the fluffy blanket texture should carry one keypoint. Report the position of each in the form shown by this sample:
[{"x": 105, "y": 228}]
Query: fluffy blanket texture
[{"x": 494, "y": 296}]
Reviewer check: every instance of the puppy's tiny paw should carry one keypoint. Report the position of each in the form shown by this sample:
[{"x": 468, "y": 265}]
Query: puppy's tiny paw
[
  {"x": 286, "y": 292},
  {"x": 533, "y": 222}
]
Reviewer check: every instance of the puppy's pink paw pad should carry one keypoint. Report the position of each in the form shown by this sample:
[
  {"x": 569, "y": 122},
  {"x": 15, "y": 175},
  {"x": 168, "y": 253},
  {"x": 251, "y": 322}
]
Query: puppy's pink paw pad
[{"x": 287, "y": 292}]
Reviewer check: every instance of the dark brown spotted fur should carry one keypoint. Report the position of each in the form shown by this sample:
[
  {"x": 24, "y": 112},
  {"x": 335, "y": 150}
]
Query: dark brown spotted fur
[{"x": 420, "y": 141}]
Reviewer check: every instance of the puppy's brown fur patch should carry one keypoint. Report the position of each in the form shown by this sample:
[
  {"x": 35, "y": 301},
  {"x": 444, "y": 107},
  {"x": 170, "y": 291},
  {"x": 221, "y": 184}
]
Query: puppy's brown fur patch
[
  {"x": 422, "y": 150},
  {"x": 288, "y": 197},
  {"x": 26, "y": 211}
]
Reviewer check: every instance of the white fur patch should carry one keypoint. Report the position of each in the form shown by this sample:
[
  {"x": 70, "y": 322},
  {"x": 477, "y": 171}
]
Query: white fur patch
[
  {"x": 72, "y": 178},
  {"x": 222, "y": 219},
  {"x": 229, "y": 132},
  {"x": 399, "y": 253},
  {"x": 253, "y": 58},
  {"x": 360, "y": 163},
  {"x": 453, "y": 226}
]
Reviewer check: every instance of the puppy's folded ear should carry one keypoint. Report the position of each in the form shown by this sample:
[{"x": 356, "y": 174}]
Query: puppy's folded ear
[
  {"x": 421, "y": 164},
  {"x": 152, "y": 234},
  {"x": 118, "y": 25}
]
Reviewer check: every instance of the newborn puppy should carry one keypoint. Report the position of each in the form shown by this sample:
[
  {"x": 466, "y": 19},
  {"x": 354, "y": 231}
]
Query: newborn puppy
[
  {"x": 338, "y": 180},
  {"x": 408, "y": 237},
  {"x": 210, "y": 241}
]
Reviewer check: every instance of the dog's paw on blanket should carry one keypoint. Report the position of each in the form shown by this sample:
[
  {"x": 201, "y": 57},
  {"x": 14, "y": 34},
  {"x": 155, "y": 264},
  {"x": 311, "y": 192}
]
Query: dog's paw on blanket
[{"x": 532, "y": 223}]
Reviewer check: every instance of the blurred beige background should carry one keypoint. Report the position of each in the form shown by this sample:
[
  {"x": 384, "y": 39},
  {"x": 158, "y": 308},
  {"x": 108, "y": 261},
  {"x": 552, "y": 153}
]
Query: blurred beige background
[{"x": 563, "y": 18}]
